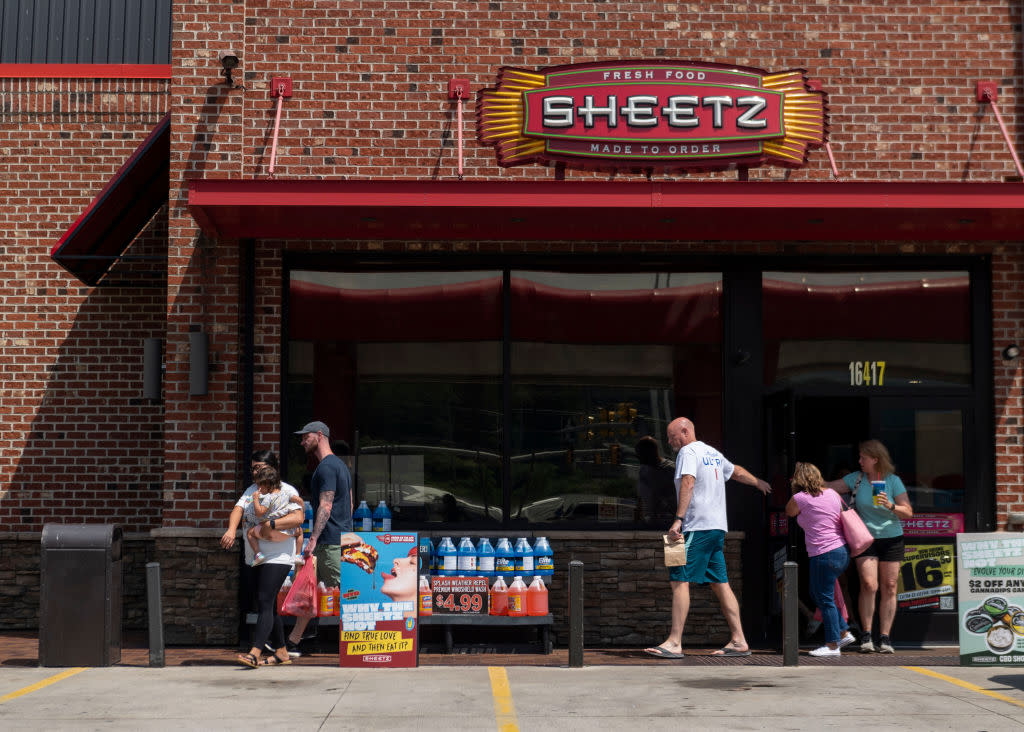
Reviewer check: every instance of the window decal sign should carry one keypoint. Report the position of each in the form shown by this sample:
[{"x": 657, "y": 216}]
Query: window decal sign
[{"x": 670, "y": 115}]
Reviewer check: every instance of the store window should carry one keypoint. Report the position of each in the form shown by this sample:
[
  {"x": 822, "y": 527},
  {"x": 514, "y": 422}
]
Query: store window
[
  {"x": 409, "y": 366},
  {"x": 867, "y": 330}
]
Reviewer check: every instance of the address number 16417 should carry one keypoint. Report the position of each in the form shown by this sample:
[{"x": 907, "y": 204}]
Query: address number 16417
[{"x": 867, "y": 373}]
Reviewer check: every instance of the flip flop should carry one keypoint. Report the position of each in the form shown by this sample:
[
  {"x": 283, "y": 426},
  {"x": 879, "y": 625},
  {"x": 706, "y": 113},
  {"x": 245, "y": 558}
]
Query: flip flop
[
  {"x": 273, "y": 661},
  {"x": 247, "y": 659},
  {"x": 659, "y": 652},
  {"x": 730, "y": 651}
]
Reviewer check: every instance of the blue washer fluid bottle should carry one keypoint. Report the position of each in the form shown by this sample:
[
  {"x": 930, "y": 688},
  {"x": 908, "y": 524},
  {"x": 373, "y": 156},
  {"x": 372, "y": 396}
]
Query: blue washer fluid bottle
[
  {"x": 524, "y": 559},
  {"x": 504, "y": 560},
  {"x": 382, "y": 517},
  {"x": 543, "y": 559},
  {"x": 425, "y": 554},
  {"x": 362, "y": 519},
  {"x": 484, "y": 558},
  {"x": 447, "y": 558},
  {"x": 467, "y": 557}
]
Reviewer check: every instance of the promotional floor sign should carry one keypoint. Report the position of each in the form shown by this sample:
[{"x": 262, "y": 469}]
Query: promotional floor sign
[
  {"x": 927, "y": 578},
  {"x": 379, "y": 582},
  {"x": 990, "y": 568}
]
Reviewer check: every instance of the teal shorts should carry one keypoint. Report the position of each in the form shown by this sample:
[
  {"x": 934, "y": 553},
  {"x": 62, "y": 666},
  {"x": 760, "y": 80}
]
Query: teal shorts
[{"x": 705, "y": 559}]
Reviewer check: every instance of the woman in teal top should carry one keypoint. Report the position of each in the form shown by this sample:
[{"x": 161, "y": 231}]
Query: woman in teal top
[{"x": 879, "y": 564}]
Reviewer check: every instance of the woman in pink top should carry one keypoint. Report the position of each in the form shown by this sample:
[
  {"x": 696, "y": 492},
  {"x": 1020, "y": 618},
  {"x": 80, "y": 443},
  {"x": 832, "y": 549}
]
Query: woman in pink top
[{"x": 817, "y": 510}]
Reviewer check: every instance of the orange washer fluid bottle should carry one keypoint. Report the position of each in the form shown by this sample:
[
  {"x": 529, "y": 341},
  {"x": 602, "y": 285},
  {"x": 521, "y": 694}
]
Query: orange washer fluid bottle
[
  {"x": 337, "y": 601},
  {"x": 537, "y": 598},
  {"x": 426, "y": 598},
  {"x": 499, "y": 597},
  {"x": 517, "y": 598}
]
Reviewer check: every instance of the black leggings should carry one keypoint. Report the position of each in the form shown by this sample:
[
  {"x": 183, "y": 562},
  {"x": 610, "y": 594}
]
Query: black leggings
[{"x": 269, "y": 578}]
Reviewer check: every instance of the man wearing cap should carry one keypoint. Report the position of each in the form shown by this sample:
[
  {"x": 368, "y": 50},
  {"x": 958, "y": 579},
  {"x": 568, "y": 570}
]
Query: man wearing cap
[{"x": 331, "y": 496}]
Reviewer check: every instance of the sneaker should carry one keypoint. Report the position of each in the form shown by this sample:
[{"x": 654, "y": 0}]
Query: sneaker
[
  {"x": 293, "y": 649},
  {"x": 885, "y": 645},
  {"x": 259, "y": 559},
  {"x": 268, "y": 649},
  {"x": 866, "y": 646},
  {"x": 826, "y": 651},
  {"x": 846, "y": 640}
]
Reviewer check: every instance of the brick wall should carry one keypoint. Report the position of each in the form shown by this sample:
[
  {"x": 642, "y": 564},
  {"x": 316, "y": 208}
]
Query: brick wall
[
  {"x": 77, "y": 441},
  {"x": 626, "y": 595},
  {"x": 370, "y": 78}
]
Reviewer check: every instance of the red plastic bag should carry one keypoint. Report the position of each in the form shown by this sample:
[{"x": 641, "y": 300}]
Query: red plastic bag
[{"x": 301, "y": 599}]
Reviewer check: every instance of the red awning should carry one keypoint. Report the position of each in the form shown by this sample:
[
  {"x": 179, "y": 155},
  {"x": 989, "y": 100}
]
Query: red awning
[
  {"x": 608, "y": 211},
  {"x": 115, "y": 217}
]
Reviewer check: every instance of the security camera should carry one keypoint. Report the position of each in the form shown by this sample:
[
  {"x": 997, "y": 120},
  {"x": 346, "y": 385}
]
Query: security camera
[{"x": 228, "y": 60}]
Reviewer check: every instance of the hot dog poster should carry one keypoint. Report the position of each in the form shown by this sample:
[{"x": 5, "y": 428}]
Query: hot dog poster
[{"x": 378, "y": 599}]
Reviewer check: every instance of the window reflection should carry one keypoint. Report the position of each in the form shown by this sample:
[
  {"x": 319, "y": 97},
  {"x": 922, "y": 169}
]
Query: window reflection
[
  {"x": 413, "y": 362},
  {"x": 878, "y": 330}
]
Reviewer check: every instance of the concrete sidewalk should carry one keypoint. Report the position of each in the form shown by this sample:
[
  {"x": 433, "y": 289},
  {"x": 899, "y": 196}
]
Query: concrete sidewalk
[{"x": 663, "y": 697}]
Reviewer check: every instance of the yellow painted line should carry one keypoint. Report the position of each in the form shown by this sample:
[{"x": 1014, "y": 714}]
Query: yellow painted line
[
  {"x": 41, "y": 685},
  {"x": 504, "y": 709},
  {"x": 965, "y": 685}
]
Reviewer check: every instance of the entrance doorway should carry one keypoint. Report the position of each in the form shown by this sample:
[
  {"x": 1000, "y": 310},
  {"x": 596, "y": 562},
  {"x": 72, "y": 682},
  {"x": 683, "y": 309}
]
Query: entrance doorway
[{"x": 926, "y": 438}]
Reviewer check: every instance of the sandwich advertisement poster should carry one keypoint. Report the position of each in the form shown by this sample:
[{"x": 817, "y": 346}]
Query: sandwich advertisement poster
[
  {"x": 379, "y": 583},
  {"x": 991, "y": 599}
]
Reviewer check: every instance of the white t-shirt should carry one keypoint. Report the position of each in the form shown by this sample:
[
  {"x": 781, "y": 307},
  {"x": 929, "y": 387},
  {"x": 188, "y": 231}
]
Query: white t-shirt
[
  {"x": 710, "y": 469},
  {"x": 276, "y": 552}
]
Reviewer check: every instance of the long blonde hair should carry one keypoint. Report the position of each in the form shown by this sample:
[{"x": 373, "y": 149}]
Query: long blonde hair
[
  {"x": 875, "y": 449},
  {"x": 807, "y": 477}
]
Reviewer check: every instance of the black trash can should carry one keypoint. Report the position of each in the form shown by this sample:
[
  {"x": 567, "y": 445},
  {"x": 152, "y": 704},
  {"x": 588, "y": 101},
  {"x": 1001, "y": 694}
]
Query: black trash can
[{"x": 80, "y": 595}]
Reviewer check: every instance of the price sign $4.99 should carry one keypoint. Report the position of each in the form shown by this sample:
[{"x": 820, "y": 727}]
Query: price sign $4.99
[{"x": 458, "y": 602}]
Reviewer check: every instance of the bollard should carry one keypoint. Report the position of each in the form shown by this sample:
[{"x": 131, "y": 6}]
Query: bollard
[
  {"x": 156, "y": 612},
  {"x": 790, "y": 613},
  {"x": 575, "y": 614}
]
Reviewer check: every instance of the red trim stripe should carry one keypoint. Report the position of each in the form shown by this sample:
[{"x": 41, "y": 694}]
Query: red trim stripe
[{"x": 85, "y": 71}]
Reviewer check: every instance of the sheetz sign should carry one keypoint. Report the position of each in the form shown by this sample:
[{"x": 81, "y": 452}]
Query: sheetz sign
[{"x": 652, "y": 114}]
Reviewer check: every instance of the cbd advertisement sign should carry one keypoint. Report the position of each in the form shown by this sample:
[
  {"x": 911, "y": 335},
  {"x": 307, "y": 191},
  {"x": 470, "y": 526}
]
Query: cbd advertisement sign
[
  {"x": 652, "y": 114},
  {"x": 991, "y": 599}
]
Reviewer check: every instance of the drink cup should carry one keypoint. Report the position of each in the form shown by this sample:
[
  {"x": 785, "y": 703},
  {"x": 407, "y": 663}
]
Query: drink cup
[{"x": 877, "y": 486}]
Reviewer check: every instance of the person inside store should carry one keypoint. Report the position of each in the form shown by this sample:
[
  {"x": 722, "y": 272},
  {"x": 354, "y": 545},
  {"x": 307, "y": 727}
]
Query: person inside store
[
  {"x": 279, "y": 555},
  {"x": 655, "y": 485},
  {"x": 243, "y": 513},
  {"x": 817, "y": 508},
  {"x": 331, "y": 495},
  {"x": 700, "y": 520},
  {"x": 879, "y": 565}
]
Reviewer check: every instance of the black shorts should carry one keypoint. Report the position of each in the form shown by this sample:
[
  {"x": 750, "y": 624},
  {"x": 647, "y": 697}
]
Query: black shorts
[{"x": 887, "y": 550}]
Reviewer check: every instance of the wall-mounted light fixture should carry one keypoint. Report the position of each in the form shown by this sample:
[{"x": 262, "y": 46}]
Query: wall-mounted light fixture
[
  {"x": 229, "y": 62},
  {"x": 152, "y": 366},
  {"x": 1011, "y": 352}
]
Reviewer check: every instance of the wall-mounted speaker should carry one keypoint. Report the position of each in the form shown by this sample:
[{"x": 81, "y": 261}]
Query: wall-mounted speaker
[
  {"x": 198, "y": 363},
  {"x": 152, "y": 366}
]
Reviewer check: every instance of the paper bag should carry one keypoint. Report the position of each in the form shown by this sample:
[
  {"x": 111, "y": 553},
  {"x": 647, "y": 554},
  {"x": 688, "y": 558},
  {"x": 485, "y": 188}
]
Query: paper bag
[{"x": 675, "y": 552}]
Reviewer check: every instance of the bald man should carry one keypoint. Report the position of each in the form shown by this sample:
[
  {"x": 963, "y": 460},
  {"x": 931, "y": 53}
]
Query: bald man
[{"x": 701, "y": 472}]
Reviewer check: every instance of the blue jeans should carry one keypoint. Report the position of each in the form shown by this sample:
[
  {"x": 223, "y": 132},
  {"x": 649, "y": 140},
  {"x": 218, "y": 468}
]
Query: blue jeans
[{"x": 824, "y": 570}]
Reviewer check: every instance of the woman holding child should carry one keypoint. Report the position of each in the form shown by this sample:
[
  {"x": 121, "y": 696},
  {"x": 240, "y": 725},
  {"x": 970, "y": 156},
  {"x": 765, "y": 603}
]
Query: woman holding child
[{"x": 277, "y": 552}]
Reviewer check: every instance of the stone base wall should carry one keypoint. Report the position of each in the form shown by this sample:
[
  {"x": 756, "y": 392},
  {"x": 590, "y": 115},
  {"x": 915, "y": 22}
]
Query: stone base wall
[{"x": 626, "y": 593}]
